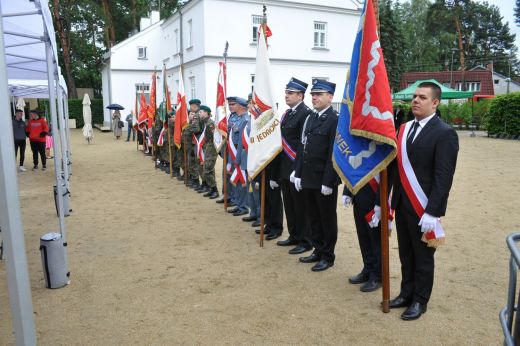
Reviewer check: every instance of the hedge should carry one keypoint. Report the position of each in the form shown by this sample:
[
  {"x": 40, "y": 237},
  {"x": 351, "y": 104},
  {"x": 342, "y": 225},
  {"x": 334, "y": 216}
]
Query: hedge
[
  {"x": 76, "y": 110},
  {"x": 504, "y": 115}
]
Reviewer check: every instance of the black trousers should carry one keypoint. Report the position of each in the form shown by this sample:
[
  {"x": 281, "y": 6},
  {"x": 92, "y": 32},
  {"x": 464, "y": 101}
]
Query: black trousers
[
  {"x": 369, "y": 244},
  {"x": 132, "y": 130},
  {"x": 296, "y": 217},
  {"x": 20, "y": 143},
  {"x": 38, "y": 148},
  {"x": 417, "y": 262},
  {"x": 323, "y": 221},
  {"x": 273, "y": 210}
]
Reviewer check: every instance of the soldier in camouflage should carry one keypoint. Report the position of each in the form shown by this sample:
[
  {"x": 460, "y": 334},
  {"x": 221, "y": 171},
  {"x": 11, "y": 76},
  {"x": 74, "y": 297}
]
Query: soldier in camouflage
[{"x": 210, "y": 153}]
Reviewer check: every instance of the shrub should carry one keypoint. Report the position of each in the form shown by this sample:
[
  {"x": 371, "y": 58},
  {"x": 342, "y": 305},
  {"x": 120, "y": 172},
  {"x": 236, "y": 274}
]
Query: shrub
[
  {"x": 76, "y": 110},
  {"x": 504, "y": 115}
]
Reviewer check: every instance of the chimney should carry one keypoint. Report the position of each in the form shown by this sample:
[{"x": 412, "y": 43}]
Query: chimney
[{"x": 490, "y": 66}]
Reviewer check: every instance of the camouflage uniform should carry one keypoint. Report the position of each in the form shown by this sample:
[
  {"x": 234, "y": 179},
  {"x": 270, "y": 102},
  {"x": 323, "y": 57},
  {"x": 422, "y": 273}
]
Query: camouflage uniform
[
  {"x": 175, "y": 151},
  {"x": 210, "y": 154},
  {"x": 193, "y": 162}
]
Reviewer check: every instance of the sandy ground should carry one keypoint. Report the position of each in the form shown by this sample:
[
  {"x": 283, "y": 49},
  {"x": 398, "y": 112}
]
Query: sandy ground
[{"x": 155, "y": 264}]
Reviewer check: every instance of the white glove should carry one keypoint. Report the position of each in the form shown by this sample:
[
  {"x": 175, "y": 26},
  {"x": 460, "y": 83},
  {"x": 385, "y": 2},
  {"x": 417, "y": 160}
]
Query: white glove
[
  {"x": 291, "y": 177},
  {"x": 428, "y": 222},
  {"x": 346, "y": 200},
  {"x": 273, "y": 184},
  {"x": 325, "y": 190},
  {"x": 374, "y": 222},
  {"x": 298, "y": 184},
  {"x": 257, "y": 186}
]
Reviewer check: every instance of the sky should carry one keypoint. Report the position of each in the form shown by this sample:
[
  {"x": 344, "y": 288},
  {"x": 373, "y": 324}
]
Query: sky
[{"x": 506, "y": 10}]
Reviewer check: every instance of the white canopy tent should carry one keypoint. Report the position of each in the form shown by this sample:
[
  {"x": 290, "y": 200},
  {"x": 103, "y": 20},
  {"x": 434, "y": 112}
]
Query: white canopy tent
[{"x": 28, "y": 68}]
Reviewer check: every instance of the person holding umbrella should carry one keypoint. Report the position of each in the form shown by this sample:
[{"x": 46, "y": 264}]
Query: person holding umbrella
[{"x": 117, "y": 124}]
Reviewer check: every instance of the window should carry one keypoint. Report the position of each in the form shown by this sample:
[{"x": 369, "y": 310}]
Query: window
[
  {"x": 257, "y": 21},
  {"x": 458, "y": 86},
  {"x": 473, "y": 86},
  {"x": 139, "y": 88},
  {"x": 252, "y": 82},
  {"x": 320, "y": 35},
  {"x": 141, "y": 53},
  {"x": 496, "y": 81},
  {"x": 190, "y": 34},
  {"x": 192, "y": 87}
]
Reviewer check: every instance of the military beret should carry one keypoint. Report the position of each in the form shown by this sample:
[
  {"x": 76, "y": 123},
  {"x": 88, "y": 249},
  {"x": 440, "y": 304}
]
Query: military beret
[
  {"x": 205, "y": 108},
  {"x": 195, "y": 101},
  {"x": 296, "y": 85},
  {"x": 241, "y": 101},
  {"x": 323, "y": 86}
]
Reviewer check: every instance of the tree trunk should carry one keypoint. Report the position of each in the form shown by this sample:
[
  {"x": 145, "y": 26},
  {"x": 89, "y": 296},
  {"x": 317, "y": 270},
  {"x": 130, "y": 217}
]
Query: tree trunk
[
  {"x": 110, "y": 24},
  {"x": 134, "y": 15},
  {"x": 461, "y": 53},
  {"x": 71, "y": 85}
]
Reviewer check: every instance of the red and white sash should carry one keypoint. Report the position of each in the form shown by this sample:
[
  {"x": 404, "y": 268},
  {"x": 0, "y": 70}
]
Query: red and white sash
[
  {"x": 232, "y": 151},
  {"x": 410, "y": 183},
  {"x": 245, "y": 143},
  {"x": 160, "y": 140},
  {"x": 199, "y": 145},
  {"x": 238, "y": 176}
]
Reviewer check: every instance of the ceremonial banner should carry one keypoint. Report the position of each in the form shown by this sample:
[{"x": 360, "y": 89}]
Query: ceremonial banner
[
  {"x": 152, "y": 104},
  {"x": 265, "y": 137},
  {"x": 221, "y": 110},
  {"x": 365, "y": 139},
  {"x": 167, "y": 104},
  {"x": 143, "y": 109},
  {"x": 181, "y": 115}
]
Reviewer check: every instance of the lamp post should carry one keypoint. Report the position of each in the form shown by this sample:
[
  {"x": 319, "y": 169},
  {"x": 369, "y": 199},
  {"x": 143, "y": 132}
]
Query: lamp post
[{"x": 453, "y": 50}]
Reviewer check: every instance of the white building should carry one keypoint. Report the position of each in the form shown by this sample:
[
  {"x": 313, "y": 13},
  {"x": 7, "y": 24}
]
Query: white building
[
  {"x": 310, "y": 39},
  {"x": 504, "y": 85}
]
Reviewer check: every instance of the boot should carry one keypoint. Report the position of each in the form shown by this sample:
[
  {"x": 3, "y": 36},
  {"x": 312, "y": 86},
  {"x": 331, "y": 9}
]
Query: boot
[
  {"x": 194, "y": 184},
  {"x": 167, "y": 170},
  {"x": 214, "y": 193},
  {"x": 180, "y": 177},
  {"x": 209, "y": 192},
  {"x": 176, "y": 172},
  {"x": 203, "y": 187}
]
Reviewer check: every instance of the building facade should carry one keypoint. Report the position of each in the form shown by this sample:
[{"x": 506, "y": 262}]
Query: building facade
[{"x": 310, "y": 40}]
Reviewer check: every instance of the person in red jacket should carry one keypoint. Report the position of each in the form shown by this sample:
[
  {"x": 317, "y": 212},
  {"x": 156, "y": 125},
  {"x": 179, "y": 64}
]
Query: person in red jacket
[{"x": 36, "y": 130}]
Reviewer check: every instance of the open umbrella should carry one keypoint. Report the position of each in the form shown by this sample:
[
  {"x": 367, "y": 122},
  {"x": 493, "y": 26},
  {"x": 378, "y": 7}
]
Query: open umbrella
[
  {"x": 115, "y": 106},
  {"x": 87, "y": 119}
]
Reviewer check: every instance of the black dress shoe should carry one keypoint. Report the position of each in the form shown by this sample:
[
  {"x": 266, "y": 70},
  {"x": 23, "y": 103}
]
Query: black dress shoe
[
  {"x": 321, "y": 266},
  {"x": 232, "y": 211},
  {"x": 255, "y": 224},
  {"x": 370, "y": 286},
  {"x": 310, "y": 259},
  {"x": 231, "y": 204},
  {"x": 240, "y": 213},
  {"x": 272, "y": 236},
  {"x": 248, "y": 218},
  {"x": 399, "y": 302},
  {"x": 414, "y": 311},
  {"x": 299, "y": 249},
  {"x": 361, "y": 278},
  {"x": 287, "y": 242}
]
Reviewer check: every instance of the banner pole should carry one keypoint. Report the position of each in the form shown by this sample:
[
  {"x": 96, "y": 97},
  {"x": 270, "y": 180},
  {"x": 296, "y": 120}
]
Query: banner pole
[
  {"x": 224, "y": 173},
  {"x": 262, "y": 209}
]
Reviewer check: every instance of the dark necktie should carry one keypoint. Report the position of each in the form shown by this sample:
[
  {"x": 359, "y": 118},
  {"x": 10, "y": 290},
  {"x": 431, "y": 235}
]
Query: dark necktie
[
  {"x": 287, "y": 112},
  {"x": 409, "y": 140}
]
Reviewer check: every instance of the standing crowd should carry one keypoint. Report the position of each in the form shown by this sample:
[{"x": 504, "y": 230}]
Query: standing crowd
[{"x": 302, "y": 183}]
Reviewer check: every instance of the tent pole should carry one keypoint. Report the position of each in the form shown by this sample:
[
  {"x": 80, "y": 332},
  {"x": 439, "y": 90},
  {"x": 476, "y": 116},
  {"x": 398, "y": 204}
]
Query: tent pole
[
  {"x": 63, "y": 139},
  {"x": 52, "y": 75},
  {"x": 69, "y": 151},
  {"x": 11, "y": 223}
]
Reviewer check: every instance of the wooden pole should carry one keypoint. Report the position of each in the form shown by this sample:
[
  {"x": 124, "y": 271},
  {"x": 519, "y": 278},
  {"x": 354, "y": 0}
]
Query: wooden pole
[
  {"x": 383, "y": 186},
  {"x": 224, "y": 173},
  {"x": 262, "y": 209},
  {"x": 186, "y": 169},
  {"x": 169, "y": 146}
]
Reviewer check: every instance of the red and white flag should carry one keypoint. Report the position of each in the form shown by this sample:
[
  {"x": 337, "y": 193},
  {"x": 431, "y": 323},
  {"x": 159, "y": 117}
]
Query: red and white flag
[
  {"x": 181, "y": 115},
  {"x": 265, "y": 138},
  {"x": 221, "y": 110}
]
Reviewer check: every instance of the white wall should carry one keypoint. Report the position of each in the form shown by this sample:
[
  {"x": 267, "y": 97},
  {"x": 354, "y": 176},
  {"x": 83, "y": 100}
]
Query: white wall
[{"x": 501, "y": 87}]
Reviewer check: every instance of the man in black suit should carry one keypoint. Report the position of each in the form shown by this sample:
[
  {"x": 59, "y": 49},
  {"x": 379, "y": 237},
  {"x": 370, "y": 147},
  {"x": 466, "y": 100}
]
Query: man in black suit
[
  {"x": 426, "y": 165},
  {"x": 291, "y": 127},
  {"x": 315, "y": 174},
  {"x": 369, "y": 238}
]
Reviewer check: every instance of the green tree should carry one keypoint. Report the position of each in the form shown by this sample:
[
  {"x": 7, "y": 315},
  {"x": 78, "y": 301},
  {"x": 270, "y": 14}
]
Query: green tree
[
  {"x": 392, "y": 42},
  {"x": 517, "y": 13}
]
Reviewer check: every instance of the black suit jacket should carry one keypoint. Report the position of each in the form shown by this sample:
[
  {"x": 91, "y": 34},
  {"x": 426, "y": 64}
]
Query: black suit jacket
[
  {"x": 314, "y": 160},
  {"x": 433, "y": 156},
  {"x": 291, "y": 127}
]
